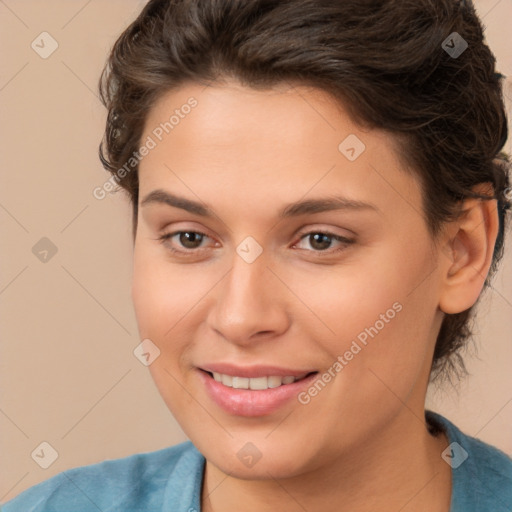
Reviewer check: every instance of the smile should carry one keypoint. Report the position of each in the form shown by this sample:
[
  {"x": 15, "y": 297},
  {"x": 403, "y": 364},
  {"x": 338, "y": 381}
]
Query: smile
[
  {"x": 253, "y": 396},
  {"x": 255, "y": 383}
]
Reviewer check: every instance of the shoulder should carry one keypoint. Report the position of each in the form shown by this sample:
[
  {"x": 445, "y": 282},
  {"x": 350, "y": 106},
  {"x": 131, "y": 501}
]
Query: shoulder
[
  {"x": 481, "y": 473},
  {"x": 137, "y": 482}
]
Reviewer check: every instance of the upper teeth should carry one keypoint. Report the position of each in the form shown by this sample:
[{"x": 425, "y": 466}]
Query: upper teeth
[{"x": 253, "y": 383}]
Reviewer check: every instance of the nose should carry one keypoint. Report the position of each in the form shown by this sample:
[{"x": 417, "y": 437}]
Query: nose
[{"x": 250, "y": 303}]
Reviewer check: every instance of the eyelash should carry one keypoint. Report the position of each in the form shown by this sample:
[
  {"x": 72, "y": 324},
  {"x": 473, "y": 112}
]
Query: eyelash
[{"x": 165, "y": 237}]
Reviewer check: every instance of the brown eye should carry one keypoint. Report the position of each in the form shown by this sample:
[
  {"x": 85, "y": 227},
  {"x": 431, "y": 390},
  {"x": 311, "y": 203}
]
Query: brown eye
[
  {"x": 321, "y": 241},
  {"x": 190, "y": 239},
  {"x": 186, "y": 241}
]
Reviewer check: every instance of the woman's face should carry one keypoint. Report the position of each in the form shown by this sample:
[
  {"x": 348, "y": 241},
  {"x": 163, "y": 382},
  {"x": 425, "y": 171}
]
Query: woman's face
[{"x": 280, "y": 284}]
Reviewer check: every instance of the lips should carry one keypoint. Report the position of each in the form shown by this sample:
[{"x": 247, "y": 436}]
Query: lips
[{"x": 249, "y": 402}]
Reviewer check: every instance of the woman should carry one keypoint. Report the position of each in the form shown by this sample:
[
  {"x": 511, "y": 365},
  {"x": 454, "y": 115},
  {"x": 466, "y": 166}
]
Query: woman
[{"x": 319, "y": 199}]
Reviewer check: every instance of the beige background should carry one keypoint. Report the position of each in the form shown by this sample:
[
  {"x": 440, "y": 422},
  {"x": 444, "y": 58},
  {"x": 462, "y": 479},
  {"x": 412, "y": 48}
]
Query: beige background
[{"x": 68, "y": 373}]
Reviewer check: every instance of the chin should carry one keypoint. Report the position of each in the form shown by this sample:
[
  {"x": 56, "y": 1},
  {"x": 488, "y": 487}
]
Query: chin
[{"x": 250, "y": 463}]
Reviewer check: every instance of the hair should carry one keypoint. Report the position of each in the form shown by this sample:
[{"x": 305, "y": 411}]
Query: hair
[{"x": 384, "y": 61}]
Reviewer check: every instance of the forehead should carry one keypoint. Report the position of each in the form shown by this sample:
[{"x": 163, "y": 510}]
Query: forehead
[{"x": 267, "y": 145}]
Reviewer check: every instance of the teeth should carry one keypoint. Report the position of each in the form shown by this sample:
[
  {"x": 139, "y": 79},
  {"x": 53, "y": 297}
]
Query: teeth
[
  {"x": 240, "y": 383},
  {"x": 274, "y": 382},
  {"x": 256, "y": 383}
]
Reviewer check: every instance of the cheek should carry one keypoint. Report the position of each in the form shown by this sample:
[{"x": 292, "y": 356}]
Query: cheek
[
  {"x": 161, "y": 292},
  {"x": 158, "y": 304},
  {"x": 163, "y": 297},
  {"x": 150, "y": 294},
  {"x": 378, "y": 312},
  {"x": 170, "y": 302}
]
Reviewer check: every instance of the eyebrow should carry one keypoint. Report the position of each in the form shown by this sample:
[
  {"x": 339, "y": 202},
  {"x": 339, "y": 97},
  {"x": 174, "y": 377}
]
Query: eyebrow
[{"x": 308, "y": 206}]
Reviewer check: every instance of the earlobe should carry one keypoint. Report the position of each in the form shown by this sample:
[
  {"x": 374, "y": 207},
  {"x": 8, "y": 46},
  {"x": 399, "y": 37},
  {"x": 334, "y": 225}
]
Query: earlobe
[{"x": 469, "y": 244}]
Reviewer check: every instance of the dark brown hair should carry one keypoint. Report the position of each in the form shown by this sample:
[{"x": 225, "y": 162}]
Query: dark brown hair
[{"x": 386, "y": 61}]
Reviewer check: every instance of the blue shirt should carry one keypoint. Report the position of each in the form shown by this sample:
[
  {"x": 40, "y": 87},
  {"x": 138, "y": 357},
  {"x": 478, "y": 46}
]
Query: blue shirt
[{"x": 170, "y": 480}]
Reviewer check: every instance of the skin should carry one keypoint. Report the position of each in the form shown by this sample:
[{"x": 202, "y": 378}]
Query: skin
[{"x": 361, "y": 444}]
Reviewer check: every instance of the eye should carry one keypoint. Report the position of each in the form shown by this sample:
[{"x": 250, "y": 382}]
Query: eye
[
  {"x": 322, "y": 240},
  {"x": 189, "y": 240}
]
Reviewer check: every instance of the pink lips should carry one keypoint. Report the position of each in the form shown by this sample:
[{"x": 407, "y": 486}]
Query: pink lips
[{"x": 251, "y": 403}]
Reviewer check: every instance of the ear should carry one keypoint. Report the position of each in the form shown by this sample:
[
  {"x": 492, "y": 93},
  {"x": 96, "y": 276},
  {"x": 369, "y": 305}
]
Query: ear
[{"x": 467, "y": 248}]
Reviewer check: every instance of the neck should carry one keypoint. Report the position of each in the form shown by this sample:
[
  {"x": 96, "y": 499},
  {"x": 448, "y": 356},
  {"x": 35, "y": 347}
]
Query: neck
[{"x": 399, "y": 469}]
